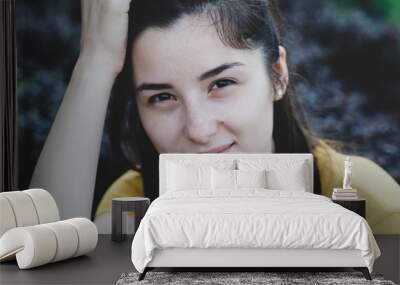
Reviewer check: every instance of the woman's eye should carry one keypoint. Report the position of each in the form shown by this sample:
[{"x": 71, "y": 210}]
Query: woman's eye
[
  {"x": 221, "y": 84},
  {"x": 160, "y": 98}
]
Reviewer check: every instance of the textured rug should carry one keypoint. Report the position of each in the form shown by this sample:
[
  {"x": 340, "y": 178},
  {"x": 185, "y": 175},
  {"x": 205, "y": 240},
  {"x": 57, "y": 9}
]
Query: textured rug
[{"x": 230, "y": 278}]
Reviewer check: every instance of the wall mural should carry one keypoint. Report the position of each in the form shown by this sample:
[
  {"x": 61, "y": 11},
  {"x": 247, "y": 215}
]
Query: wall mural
[{"x": 97, "y": 107}]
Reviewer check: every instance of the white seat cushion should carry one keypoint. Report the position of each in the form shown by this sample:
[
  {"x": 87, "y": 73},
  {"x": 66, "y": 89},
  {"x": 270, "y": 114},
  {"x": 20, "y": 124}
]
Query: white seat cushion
[
  {"x": 23, "y": 208},
  {"x": 7, "y": 220},
  {"x": 45, "y": 205},
  {"x": 87, "y": 233},
  {"x": 67, "y": 237},
  {"x": 32, "y": 246},
  {"x": 27, "y": 208}
]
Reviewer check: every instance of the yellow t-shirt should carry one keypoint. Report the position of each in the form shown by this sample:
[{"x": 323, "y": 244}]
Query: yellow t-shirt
[{"x": 373, "y": 183}]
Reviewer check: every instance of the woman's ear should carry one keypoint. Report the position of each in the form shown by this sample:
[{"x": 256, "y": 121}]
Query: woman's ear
[{"x": 281, "y": 75}]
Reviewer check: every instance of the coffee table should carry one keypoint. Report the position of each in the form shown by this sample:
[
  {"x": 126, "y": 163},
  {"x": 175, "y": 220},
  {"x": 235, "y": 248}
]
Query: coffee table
[{"x": 137, "y": 204}]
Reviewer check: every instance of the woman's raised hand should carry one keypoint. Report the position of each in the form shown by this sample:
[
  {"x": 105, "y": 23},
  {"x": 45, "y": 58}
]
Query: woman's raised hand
[{"x": 104, "y": 33}]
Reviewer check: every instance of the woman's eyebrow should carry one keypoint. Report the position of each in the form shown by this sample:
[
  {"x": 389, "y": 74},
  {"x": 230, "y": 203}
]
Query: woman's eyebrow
[
  {"x": 208, "y": 74},
  {"x": 153, "y": 86},
  {"x": 215, "y": 71}
]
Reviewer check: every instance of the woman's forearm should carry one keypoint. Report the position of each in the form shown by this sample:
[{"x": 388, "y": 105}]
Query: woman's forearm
[{"x": 68, "y": 162}]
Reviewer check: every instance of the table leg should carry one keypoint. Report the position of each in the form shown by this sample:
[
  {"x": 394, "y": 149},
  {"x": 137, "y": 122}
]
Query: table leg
[{"x": 116, "y": 227}]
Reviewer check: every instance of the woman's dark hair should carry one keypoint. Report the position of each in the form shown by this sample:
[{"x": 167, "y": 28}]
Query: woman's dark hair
[{"x": 242, "y": 24}]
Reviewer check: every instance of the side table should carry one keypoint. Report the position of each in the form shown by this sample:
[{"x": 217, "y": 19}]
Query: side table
[
  {"x": 357, "y": 205},
  {"x": 139, "y": 205}
]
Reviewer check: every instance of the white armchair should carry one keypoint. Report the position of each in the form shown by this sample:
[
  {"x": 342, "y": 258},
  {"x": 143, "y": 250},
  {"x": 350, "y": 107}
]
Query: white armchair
[{"x": 31, "y": 231}]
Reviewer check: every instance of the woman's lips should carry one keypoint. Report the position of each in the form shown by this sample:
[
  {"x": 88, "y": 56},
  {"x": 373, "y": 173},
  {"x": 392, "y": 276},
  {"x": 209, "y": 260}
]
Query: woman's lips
[{"x": 219, "y": 149}]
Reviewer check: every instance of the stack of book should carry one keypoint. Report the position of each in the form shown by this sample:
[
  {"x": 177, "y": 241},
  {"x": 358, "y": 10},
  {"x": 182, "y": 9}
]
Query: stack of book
[{"x": 344, "y": 194}]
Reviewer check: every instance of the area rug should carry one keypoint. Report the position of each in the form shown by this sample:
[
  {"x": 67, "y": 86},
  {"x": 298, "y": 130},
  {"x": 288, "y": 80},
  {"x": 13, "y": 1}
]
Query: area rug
[{"x": 243, "y": 278}]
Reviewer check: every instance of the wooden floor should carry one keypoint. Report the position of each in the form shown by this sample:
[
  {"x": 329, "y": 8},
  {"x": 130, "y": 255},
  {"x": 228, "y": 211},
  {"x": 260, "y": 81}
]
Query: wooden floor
[
  {"x": 389, "y": 262},
  {"x": 110, "y": 260}
]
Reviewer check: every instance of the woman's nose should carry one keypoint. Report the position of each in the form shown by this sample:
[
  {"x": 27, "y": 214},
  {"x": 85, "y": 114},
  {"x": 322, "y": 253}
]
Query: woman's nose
[{"x": 200, "y": 125}]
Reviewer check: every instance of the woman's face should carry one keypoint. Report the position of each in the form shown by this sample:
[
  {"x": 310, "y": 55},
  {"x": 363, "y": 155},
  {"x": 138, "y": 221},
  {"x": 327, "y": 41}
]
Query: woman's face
[{"x": 195, "y": 94}]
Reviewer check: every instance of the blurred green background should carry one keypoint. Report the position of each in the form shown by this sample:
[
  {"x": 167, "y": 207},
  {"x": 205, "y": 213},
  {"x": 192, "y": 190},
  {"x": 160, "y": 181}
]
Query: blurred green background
[{"x": 388, "y": 10}]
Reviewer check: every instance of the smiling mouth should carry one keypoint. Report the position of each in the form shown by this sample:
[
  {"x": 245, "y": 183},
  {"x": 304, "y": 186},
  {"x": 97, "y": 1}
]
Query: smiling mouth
[{"x": 219, "y": 149}]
